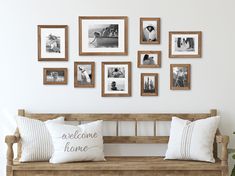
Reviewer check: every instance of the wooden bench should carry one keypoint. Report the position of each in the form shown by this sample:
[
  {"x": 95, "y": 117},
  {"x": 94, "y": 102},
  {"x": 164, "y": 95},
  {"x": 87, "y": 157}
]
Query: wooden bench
[{"x": 136, "y": 166}]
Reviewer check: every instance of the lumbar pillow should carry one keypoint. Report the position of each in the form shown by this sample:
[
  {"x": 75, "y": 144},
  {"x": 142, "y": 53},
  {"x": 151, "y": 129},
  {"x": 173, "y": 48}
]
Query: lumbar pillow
[
  {"x": 192, "y": 140},
  {"x": 77, "y": 143},
  {"x": 35, "y": 138}
]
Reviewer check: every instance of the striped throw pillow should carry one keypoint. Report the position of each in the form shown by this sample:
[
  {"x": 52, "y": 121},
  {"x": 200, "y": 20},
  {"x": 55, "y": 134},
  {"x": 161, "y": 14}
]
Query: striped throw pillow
[
  {"x": 35, "y": 138},
  {"x": 192, "y": 140}
]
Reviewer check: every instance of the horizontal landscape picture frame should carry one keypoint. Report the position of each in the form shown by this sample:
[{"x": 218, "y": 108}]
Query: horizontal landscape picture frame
[
  {"x": 116, "y": 79},
  {"x": 84, "y": 74},
  {"x": 185, "y": 44},
  {"x": 150, "y": 30},
  {"x": 149, "y": 59},
  {"x": 149, "y": 84},
  {"x": 52, "y": 43},
  {"x": 180, "y": 76},
  {"x": 103, "y": 35},
  {"x": 55, "y": 76}
]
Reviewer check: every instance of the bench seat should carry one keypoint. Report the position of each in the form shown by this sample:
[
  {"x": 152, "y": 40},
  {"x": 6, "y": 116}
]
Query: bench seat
[{"x": 123, "y": 163}]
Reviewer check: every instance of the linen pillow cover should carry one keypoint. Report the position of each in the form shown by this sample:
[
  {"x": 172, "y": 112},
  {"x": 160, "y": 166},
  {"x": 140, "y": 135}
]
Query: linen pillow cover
[
  {"x": 192, "y": 140},
  {"x": 35, "y": 138},
  {"x": 77, "y": 143}
]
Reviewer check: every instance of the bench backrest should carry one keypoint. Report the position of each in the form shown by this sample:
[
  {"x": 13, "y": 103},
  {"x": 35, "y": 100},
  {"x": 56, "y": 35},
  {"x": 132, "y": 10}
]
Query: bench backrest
[{"x": 126, "y": 117}]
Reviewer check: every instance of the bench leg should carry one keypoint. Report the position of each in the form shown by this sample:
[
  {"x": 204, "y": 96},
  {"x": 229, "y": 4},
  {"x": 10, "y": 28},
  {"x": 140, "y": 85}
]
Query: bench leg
[
  {"x": 225, "y": 172},
  {"x": 9, "y": 171}
]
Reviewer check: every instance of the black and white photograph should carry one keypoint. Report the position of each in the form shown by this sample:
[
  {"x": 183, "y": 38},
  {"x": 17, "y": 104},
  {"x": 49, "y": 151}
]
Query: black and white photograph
[
  {"x": 52, "y": 42},
  {"x": 149, "y": 84},
  {"x": 116, "y": 85},
  {"x": 116, "y": 79},
  {"x": 185, "y": 44},
  {"x": 180, "y": 76},
  {"x": 84, "y": 74},
  {"x": 149, "y": 59},
  {"x": 105, "y": 35},
  {"x": 116, "y": 72},
  {"x": 150, "y": 30},
  {"x": 55, "y": 76}
]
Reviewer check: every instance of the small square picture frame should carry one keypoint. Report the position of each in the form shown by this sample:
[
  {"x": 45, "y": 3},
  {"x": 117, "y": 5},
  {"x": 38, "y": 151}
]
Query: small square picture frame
[
  {"x": 55, "y": 76},
  {"x": 150, "y": 30},
  {"x": 84, "y": 74},
  {"x": 149, "y": 59},
  {"x": 149, "y": 84},
  {"x": 52, "y": 43},
  {"x": 180, "y": 76},
  {"x": 185, "y": 44}
]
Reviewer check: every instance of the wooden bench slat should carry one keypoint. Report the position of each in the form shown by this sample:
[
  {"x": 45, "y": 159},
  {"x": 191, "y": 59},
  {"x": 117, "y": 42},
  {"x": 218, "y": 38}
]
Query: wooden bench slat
[
  {"x": 136, "y": 139},
  {"x": 118, "y": 117}
]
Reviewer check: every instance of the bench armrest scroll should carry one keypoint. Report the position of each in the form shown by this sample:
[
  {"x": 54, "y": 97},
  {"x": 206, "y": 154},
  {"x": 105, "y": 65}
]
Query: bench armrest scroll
[
  {"x": 223, "y": 140},
  {"x": 10, "y": 140}
]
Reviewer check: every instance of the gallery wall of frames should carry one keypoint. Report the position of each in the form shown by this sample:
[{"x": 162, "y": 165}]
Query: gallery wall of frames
[{"x": 108, "y": 36}]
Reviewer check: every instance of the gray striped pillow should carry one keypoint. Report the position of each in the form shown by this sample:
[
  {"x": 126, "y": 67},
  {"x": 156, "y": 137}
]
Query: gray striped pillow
[
  {"x": 192, "y": 140},
  {"x": 35, "y": 138}
]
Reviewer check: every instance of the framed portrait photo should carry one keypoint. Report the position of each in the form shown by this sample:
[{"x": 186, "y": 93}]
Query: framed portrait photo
[
  {"x": 55, "y": 76},
  {"x": 116, "y": 79},
  {"x": 150, "y": 31},
  {"x": 180, "y": 75},
  {"x": 52, "y": 43},
  {"x": 103, "y": 35},
  {"x": 149, "y": 84},
  {"x": 185, "y": 44},
  {"x": 84, "y": 74},
  {"x": 149, "y": 59}
]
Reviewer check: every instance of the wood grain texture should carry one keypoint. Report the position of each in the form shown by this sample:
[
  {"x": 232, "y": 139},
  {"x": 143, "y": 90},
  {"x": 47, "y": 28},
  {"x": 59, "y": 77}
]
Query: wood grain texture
[{"x": 124, "y": 163}]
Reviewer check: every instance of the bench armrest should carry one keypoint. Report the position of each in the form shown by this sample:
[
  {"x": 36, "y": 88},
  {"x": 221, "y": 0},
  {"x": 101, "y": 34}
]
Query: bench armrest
[
  {"x": 223, "y": 140},
  {"x": 10, "y": 140}
]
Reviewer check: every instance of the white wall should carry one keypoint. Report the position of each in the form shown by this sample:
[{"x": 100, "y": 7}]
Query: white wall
[{"x": 213, "y": 81}]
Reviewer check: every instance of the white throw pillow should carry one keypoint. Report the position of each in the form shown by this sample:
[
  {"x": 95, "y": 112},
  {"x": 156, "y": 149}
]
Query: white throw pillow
[
  {"x": 192, "y": 140},
  {"x": 35, "y": 138},
  {"x": 77, "y": 143}
]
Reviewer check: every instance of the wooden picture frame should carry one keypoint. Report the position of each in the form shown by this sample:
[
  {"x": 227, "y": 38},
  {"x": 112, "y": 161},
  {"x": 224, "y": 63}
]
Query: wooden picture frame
[
  {"x": 150, "y": 30},
  {"x": 116, "y": 79},
  {"x": 185, "y": 44},
  {"x": 180, "y": 76},
  {"x": 149, "y": 59},
  {"x": 103, "y": 35},
  {"x": 52, "y": 43},
  {"x": 55, "y": 76},
  {"x": 84, "y": 74},
  {"x": 149, "y": 84}
]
